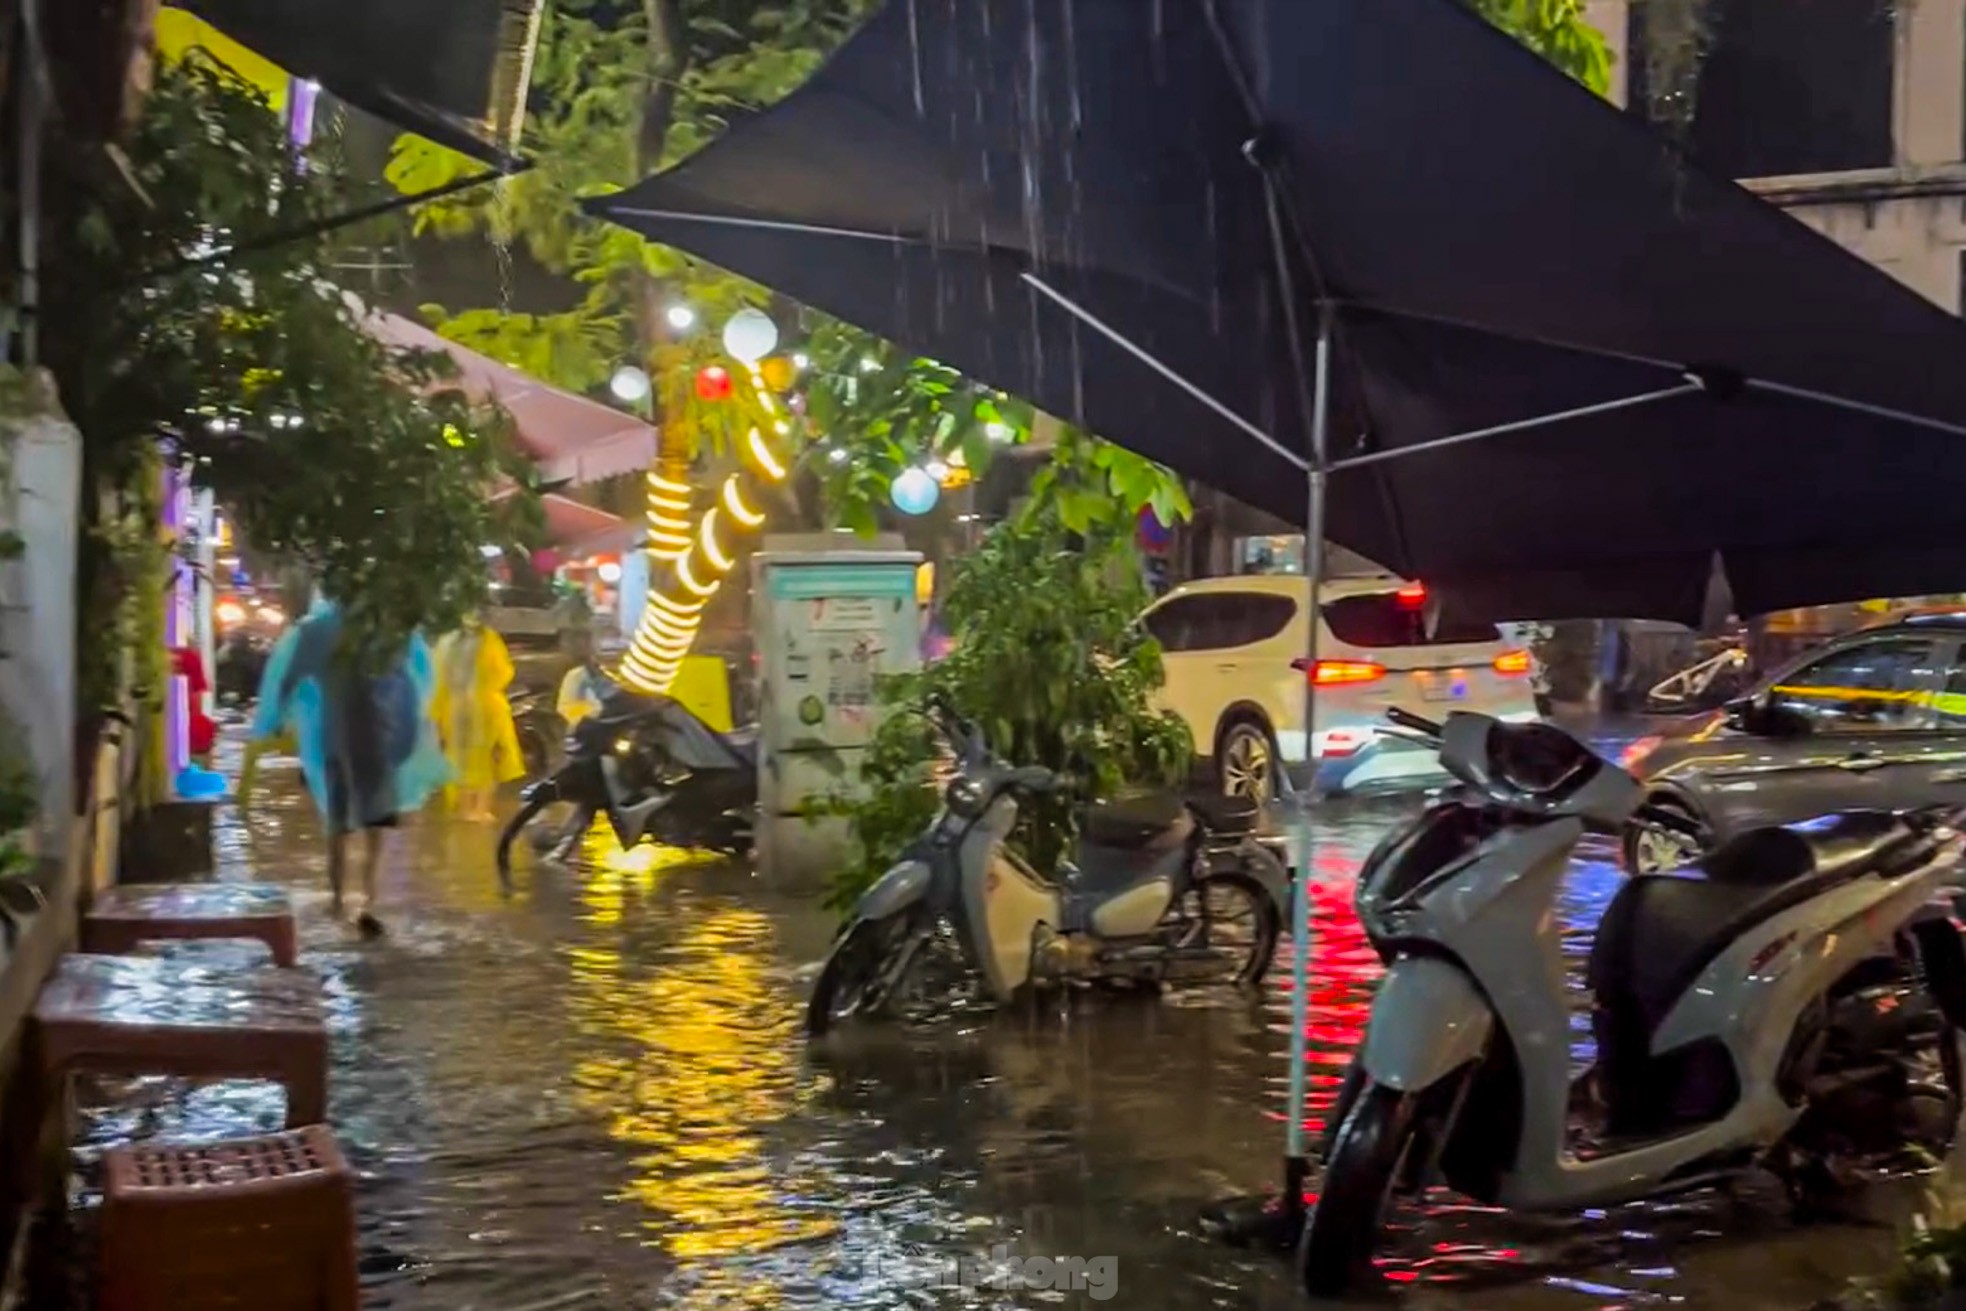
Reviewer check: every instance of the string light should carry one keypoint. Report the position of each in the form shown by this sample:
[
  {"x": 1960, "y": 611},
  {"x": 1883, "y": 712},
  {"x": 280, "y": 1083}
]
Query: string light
[
  {"x": 718, "y": 560},
  {"x": 688, "y": 580},
  {"x": 668, "y": 517},
  {"x": 734, "y": 502},
  {"x": 767, "y": 464}
]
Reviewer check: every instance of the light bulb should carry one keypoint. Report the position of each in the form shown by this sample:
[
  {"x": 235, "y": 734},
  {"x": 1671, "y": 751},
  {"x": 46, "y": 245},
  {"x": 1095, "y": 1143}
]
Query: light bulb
[
  {"x": 681, "y": 317},
  {"x": 630, "y": 383}
]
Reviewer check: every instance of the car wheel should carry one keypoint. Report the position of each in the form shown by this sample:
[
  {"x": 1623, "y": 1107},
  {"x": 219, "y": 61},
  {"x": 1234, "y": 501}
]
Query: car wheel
[
  {"x": 1246, "y": 762},
  {"x": 1653, "y": 849}
]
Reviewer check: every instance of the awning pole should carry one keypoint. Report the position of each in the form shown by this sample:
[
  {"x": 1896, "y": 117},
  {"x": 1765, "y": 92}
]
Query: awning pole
[{"x": 1296, "y": 1164}]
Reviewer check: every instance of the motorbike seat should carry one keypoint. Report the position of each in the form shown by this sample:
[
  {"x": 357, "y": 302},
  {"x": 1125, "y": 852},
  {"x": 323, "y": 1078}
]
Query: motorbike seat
[
  {"x": 1770, "y": 857},
  {"x": 1662, "y": 931},
  {"x": 1133, "y": 823},
  {"x": 743, "y": 743}
]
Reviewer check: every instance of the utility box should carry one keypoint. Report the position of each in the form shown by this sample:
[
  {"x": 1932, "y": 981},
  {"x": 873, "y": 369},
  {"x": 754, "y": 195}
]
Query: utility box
[{"x": 828, "y": 625}]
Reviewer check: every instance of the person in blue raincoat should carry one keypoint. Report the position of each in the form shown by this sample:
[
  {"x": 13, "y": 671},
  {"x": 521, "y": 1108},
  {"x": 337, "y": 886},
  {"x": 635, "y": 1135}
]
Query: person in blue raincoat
[{"x": 368, "y": 745}]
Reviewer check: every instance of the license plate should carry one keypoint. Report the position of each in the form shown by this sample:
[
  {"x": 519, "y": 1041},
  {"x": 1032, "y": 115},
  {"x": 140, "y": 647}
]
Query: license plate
[{"x": 1436, "y": 687}]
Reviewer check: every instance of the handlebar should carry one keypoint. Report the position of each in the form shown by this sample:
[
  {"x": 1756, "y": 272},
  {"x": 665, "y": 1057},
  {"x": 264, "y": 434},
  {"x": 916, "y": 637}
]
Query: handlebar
[{"x": 1418, "y": 723}]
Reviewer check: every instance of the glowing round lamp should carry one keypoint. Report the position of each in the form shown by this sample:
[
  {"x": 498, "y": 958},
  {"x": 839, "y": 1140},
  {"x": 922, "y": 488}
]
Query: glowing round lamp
[
  {"x": 630, "y": 383},
  {"x": 778, "y": 372},
  {"x": 750, "y": 335},
  {"x": 914, "y": 492},
  {"x": 609, "y": 572},
  {"x": 713, "y": 383}
]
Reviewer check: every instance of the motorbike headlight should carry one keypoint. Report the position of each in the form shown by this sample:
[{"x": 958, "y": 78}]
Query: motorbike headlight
[
  {"x": 964, "y": 796},
  {"x": 623, "y": 745}
]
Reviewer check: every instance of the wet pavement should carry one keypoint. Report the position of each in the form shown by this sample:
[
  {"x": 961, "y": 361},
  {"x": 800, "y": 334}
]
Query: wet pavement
[{"x": 596, "y": 1094}]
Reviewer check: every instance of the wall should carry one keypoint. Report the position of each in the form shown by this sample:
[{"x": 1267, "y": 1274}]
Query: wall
[{"x": 42, "y": 454}]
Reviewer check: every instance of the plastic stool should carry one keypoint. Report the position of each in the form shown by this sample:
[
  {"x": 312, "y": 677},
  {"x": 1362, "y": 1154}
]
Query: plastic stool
[
  {"x": 122, "y": 918},
  {"x": 260, "y": 1223}
]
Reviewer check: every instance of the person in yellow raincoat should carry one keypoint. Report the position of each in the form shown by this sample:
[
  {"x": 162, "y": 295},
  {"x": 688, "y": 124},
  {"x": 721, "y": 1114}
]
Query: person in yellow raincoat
[{"x": 475, "y": 718}]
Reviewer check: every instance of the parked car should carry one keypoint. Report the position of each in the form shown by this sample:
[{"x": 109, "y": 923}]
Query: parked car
[
  {"x": 1872, "y": 720},
  {"x": 1229, "y": 644}
]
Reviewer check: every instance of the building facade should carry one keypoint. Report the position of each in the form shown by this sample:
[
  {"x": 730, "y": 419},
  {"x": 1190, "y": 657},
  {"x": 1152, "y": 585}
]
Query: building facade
[{"x": 1849, "y": 114}]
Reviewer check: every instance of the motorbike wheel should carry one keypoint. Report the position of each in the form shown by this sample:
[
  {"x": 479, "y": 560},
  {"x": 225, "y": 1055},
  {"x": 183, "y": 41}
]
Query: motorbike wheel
[
  {"x": 1240, "y": 903},
  {"x": 1335, "y": 1251},
  {"x": 525, "y": 815},
  {"x": 850, "y": 984}
]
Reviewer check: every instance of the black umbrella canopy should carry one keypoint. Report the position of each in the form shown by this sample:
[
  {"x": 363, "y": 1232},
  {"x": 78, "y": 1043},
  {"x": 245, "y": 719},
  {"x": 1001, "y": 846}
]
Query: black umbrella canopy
[
  {"x": 1075, "y": 202},
  {"x": 453, "y": 70}
]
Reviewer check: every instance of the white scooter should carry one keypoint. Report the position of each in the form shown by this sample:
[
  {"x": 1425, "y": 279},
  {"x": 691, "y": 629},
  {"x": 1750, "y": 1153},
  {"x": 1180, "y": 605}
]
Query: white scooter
[
  {"x": 1787, "y": 1010},
  {"x": 1162, "y": 889}
]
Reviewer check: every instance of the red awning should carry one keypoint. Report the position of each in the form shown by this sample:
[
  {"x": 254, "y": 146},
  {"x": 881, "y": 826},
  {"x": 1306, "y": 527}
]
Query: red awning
[{"x": 569, "y": 437}]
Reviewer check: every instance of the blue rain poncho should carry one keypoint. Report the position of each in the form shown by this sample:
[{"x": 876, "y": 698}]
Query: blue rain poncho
[{"x": 367, "y": 744}]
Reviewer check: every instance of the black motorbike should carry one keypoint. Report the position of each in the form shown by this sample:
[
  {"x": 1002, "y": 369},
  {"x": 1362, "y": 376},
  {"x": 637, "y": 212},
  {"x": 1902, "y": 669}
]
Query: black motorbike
[
  {"x": 656, "y": 771},
  {"x": 239, "y": 666}
]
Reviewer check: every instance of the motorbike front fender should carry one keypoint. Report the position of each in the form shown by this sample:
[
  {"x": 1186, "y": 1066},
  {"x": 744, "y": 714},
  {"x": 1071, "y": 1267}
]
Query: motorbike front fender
[
  {"x": 901, "y": 887},
  {"x": 546, "y": 789},
  {"x": 1428, "y": 1020},
  {"x": 1260, "y": 861}
]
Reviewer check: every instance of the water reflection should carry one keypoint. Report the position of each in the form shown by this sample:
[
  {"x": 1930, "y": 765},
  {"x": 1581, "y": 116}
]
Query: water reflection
[{"x": 595, "y": 1094}]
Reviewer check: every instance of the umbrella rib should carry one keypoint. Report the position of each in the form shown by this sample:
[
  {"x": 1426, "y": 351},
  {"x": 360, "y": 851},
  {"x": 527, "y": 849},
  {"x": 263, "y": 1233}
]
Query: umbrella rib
[
  {"x": 1519, "y": 425},
  {"x": 770, "y": 225},
  {"x": 1166, "y": 371},
  {"x": 1859, "y": 407}
]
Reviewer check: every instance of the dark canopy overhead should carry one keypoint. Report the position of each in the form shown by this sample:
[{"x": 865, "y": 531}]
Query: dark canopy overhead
[
  {"x": 453, "y": 70},
  {"x": 1072, "y": 201}
]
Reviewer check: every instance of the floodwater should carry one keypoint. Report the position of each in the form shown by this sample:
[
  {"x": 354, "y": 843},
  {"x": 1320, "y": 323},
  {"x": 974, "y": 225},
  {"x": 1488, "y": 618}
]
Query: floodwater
[{"x": 596, "y": 1094}]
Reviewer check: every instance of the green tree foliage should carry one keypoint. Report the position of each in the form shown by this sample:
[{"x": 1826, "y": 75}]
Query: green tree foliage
[
  {"x": 1049, "y": 661},
  {"x": 1558, "y": 31},
  {"x": 330, "y": 448}
]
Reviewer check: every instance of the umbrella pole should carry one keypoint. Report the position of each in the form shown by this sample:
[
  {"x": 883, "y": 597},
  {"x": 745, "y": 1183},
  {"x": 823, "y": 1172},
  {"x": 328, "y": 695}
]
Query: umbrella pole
[{"x": 1296, "y": 1159}]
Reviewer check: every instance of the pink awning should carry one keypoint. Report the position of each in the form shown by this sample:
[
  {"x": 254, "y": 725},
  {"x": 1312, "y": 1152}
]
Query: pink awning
[
  {"x": 568, "y": 436},
  {"x": 576, "y": 528}
]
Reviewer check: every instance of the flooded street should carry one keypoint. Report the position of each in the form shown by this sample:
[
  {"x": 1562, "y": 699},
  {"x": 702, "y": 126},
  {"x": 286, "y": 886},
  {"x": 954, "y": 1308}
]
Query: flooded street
[{"x": 596, "y": 1094}]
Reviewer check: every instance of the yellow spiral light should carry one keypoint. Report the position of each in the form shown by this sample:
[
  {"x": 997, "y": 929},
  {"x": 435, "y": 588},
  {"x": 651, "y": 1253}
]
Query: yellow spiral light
[{"x": 699, "y": 559}]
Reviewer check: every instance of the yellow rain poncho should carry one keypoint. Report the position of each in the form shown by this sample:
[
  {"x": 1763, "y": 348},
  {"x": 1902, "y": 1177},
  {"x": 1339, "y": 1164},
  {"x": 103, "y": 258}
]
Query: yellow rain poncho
[{"x": 472, "y": 713}]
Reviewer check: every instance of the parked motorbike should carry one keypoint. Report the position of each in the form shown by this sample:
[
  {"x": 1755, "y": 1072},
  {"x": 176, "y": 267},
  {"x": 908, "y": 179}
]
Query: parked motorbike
[
  {"x": 1161, "y": 890},
  {"x": 239, "y": 666},
  {"x": 1795, "y": 1009},
  {"x": 656, "y": 771}
]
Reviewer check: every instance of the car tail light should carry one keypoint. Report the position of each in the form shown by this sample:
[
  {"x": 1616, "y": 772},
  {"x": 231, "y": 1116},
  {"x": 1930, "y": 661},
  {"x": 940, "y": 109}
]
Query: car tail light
[
  {"x": 1332, "y": 673},
  {"x": 1512, "y": 663},
  {"x": 1412, "y": 596}
]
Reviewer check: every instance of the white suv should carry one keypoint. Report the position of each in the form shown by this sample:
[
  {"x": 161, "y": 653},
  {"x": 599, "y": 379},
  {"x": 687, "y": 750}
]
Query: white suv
[{"x": 1229, "y": 643}]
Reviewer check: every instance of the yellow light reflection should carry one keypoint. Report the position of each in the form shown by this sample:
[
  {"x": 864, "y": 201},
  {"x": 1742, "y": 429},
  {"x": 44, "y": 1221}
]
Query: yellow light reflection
[{"x": 688, "y": 1061}]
